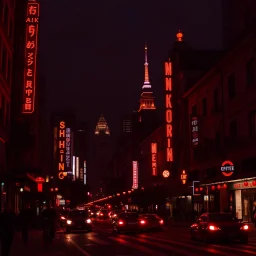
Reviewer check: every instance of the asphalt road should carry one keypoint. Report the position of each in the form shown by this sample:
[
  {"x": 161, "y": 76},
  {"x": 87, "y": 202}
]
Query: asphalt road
[{"x": 172, "y": 241}]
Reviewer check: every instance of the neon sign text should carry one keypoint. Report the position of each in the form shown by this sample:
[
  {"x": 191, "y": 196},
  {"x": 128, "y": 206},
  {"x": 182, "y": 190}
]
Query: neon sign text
[
  {"x": 135, "y": 172},
  {"x": 168, "y": 111},
  {"x": 154, "y": 158},
  {"x": 61, "y": 146},
  {"x": 32, "y": 20}
]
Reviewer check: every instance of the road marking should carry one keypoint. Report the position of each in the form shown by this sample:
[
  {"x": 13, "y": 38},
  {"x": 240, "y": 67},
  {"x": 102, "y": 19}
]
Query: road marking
[
  {"x": 97, "y": 240},
  {"x": 80, "y": 249},
  {"x": 137, "y": 247}
]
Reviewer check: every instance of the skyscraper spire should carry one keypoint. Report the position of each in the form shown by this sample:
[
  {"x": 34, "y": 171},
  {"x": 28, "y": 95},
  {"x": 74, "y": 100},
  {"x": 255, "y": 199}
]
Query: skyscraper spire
[{"x": 146, "y": 76}]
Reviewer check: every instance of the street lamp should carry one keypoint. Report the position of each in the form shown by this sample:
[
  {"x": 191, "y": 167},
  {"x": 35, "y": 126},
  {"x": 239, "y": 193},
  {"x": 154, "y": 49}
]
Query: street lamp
[{"x": 166, "y": 175}]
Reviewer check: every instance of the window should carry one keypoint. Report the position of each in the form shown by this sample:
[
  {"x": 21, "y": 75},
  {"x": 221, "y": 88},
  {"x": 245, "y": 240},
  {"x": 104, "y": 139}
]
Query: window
[
  {"x": 9, "y": 71},
  {"x": 231, "y": 86},
  {"x": 10, "y": 31},
  {"x": 216, "y": 100},
  {"x": 218, "y": 140},
  {"x": 4, "y": 60},
  {"x": 2, "y": 109},
  {"x": 194, "y": 110},
  {"x": 7, "y": 117},
  {"x": 252, "y": 124},
  {"x": 6, "y": 14},
  {"x": 204, "y": 107},
  {"x": 250, "y": 72},
  {"x": 233, "y": 130}
]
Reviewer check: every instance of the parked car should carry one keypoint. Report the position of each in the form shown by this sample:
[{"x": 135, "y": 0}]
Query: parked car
[
  {"x": 150, "y": 222},
  {"x": 78, "y": 220},
  {"x": 126, "y": 222},
  {"x": 219, "y": 226}
]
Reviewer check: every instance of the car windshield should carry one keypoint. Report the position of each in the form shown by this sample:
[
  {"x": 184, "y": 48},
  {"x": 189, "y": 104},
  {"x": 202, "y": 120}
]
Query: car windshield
[
  {"x": 75, "y": 214},
  {"x": 221, "y": 217}
]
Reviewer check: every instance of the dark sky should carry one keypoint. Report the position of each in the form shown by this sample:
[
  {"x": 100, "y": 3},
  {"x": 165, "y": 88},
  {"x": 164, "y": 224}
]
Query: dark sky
[{"x": 92, "y": 52}]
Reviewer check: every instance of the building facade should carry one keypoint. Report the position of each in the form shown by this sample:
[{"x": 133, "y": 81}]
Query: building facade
[
  {"x": 224, "y": 157},
  {"x": 7, "y": 16}
]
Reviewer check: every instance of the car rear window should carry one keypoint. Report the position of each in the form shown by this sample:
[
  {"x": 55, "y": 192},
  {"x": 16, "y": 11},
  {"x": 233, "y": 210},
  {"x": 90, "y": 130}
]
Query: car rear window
[
  {"x": 221, "y": 217},
  {"x": 129, "y": 216},
  {"x": 78, "y": 214}
]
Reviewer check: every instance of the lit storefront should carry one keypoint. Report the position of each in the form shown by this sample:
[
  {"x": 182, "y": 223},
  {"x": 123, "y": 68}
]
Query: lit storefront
[{"x": 230, "y": 195}]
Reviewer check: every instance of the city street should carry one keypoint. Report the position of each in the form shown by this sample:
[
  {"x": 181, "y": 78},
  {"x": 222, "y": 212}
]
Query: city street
[{"x": 172, "y": 241}]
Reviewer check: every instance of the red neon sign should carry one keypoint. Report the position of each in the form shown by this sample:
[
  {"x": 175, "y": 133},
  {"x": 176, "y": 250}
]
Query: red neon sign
[
  {"x": 135, "y": 174},
  {"x": 168, "y": 112},
  {"x": 154, "y": 158},
  {"x": 32, "y": 20},
  {"x": 227, "y": 168}
]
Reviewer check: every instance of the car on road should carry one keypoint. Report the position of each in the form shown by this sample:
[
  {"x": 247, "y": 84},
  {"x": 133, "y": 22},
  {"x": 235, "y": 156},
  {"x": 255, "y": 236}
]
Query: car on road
[
  {"x": 78, "y": 220},
  {"x": 126, "y": 222},
  {"x": 150, "y": 222},
  {"x": 219, "y": 226},
  {"x": 103, "y": 214},
  {"x": 113, "y": 214}
]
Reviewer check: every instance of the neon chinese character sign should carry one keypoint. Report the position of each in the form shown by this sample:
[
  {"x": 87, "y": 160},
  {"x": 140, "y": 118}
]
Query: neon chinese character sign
[
  {"x": 135, "y": 172},
  {"x": 154, "y": 158},
  {"x": 168, "y": 110},
  {"x": 68, "y": 149},
  {"x": 32, "y": 21}
]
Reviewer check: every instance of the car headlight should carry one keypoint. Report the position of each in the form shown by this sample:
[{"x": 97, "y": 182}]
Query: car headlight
[
  {"x": 88, "y": 221},
  {"x": 69, "y": 222}
]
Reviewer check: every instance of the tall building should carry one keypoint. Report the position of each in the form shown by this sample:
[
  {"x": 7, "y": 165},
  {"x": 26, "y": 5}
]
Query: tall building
[
  {"x": 7, "y": 16},
  {"x": 81, "y": 144},
  {"x": 237, "y": 16},
  {"x": 101, "y": 149},
  {"x": 147, "y": 115}
]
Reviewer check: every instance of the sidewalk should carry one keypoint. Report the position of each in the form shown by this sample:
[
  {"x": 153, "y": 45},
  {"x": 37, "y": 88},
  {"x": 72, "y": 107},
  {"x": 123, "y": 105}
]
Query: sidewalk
[{"x": 35, "y": 245}]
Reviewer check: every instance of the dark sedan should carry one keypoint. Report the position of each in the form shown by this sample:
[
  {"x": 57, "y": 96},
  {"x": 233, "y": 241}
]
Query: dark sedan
[
  {"x": 150, "y": 222},
  {"x": 78, "y": 220},
  {"x": 126, "y": 222},
  {"x": 219, "y": 226}
]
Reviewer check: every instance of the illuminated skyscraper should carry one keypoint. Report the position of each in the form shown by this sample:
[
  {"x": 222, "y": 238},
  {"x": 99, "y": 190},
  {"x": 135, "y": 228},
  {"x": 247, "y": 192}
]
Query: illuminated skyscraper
[
  {"x": 147, "y": 115},
  {"x": 102, "y": 127},
  {"x": 147, "y": 100},
  {"x": 101, "y": 150}
]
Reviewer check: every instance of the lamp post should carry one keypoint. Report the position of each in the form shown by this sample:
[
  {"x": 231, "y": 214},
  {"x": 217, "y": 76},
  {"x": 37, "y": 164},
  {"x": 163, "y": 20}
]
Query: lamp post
[{"x": 166, "y": 175}]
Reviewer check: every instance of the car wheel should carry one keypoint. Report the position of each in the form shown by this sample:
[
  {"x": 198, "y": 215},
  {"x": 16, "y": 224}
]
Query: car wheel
[
  {"x": 244, "y": 240},
  {"x": 68, "y": 230},
  {"x": 205, "y": 238},
  {"x": 89, "y": 230},
  {"x": 118, "y": 231},
  {"x": 192, "y": 236}
]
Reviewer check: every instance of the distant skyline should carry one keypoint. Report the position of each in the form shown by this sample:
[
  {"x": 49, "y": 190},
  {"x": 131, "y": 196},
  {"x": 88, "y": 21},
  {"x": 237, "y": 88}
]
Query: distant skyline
[{"x": 93, "y": 58}]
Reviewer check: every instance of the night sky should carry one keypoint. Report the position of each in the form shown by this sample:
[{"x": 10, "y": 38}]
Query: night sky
[{"x": 92, "y": 52}]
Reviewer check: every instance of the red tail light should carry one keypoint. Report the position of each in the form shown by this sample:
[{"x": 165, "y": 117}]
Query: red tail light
[
  {"x": 120, "y": 222},
  {"x": 101, "y": 214},
  {"x": 142, "y": 222},
  {"x": 161, "y": 222},
  {"x": 245, "y": 227},
  {"x": 62, "y": 217},
  {"x": 213, "y": 228}
]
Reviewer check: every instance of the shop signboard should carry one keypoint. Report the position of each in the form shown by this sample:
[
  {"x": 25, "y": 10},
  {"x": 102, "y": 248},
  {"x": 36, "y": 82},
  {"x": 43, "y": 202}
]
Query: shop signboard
[
  {"x": 243, "y": 185},
  {"x": 227, "y": 168}
]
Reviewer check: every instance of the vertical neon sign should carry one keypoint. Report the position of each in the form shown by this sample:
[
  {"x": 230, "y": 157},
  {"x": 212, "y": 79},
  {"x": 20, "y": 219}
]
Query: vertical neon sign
[
  {"x": 32, "y": 21},
  {"x": 135, "y": 172},
  {"x": 154, "y": 158},
  {"x": 168, "y": 111},
  {"x": 61, "y": 146},
  {"x": 68, "y": 149},
  {"x": 84, "y": 172}
]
